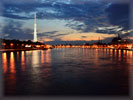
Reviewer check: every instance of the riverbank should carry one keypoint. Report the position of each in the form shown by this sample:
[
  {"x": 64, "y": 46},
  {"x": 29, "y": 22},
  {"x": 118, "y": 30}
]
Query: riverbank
[{"x": 13, "y": 50}]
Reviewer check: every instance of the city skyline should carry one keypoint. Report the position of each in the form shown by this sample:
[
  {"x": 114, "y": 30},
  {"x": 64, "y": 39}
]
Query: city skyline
[{"x": 66, "y": 20}]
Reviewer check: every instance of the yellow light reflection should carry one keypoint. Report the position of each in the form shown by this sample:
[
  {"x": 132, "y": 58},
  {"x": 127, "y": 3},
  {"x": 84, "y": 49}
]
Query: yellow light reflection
[
  {"x": 124, "y": 53},
  {"x": 35, "y": 59},
  {"x": 23, "y": 61},
  {"x": 42, "y": 56},
  {"x": 97, "y": 58},
  {"x": 48, "y": 56},
  {"x": 4, "y": 61},
  {"x": 17, "y": 55},
  {"x": 115, "y": 55},
  {"x": 129, "y": 56},
  {"x": 12, "y": 63},
  {"x": 119, "y": 55},
  {"x": 111, "y": 54},
  {"x": 28, "y": 55}
]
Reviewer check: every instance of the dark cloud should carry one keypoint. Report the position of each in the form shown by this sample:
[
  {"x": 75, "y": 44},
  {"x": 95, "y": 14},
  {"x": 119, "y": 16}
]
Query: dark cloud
[
  {"x": 52, "y": 34},
  {"x": 57, "y": 39},
  {"x": 14, "y": 16},
  {"x": 83, "y": 37},
  {"x": 58, "y": 42},
  {"x": 91, "y": 14},
  {"x": 49, "y": 10},
  {"x": 14, "y": 30},
  {"x": 118, "y": 14},
  {"x": 60, "y": 34},
  {"x": 106, "y": 31},
  {"x": 75, "y": 25}
]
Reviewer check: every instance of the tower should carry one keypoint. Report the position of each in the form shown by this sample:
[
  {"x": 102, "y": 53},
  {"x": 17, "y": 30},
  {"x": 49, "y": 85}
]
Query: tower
[
  {"x": 118, "y": 35},
  {"x": 99, "y": 40},
  {"x": 35, "y": 29}
]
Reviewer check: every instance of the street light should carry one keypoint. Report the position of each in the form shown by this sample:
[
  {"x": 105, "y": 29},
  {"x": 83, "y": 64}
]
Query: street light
[
  {"x": 3, "y": 44},
  {"x": 11, "y": 44}
]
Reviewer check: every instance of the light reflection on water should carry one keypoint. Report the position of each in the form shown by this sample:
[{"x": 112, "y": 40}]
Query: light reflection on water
[
  {"x": 4, "y": 57},
  {"x": 67, "y": 71}
]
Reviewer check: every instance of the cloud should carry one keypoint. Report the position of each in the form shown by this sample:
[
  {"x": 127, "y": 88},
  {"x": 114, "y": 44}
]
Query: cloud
[
  {"x": 111, "y": 15},
  {"x": 92, "y": 16},
  {"x": 128, "y": 33},
  {"x": 58, "y": 42},
  {"x": 118, "y": 14},
  {"x": 14, "y": 16},
  {"x": 14, "y": 30},
  {"x": 90, "y": 13},
  {"x": 83, "y": 37},
  {"x": 52, "y": 35},
  {"x": 52, "y": 32},
  {"x": 84, "y": 16},
  {"x": 109, "y": 30},
  {"x": 48, "y": 10}
]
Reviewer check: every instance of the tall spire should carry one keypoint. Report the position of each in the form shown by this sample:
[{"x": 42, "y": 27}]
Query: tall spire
[
  {"x": 35, "y": 29},
  {"x": 99, "y": 40},
  {"x": 118, "y": 35}
]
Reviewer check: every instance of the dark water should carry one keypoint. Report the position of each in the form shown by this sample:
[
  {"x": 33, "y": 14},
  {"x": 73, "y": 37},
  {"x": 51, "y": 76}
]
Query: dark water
[{"x": 69, "y": 71}]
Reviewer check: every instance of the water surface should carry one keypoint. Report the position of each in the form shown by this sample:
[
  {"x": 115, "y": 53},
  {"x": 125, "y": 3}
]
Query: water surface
[{"x": 67, "y": 71}]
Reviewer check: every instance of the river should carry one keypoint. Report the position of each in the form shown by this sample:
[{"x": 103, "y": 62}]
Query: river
[{"x": 67, "y": 72}]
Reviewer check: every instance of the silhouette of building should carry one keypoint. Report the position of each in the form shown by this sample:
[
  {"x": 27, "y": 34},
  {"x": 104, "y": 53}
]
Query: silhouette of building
[{"x": 116, "y": 40}]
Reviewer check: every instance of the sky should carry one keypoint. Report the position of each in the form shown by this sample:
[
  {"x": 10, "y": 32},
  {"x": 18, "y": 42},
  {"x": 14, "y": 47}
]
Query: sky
[{"x": 65, "y": 21}]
